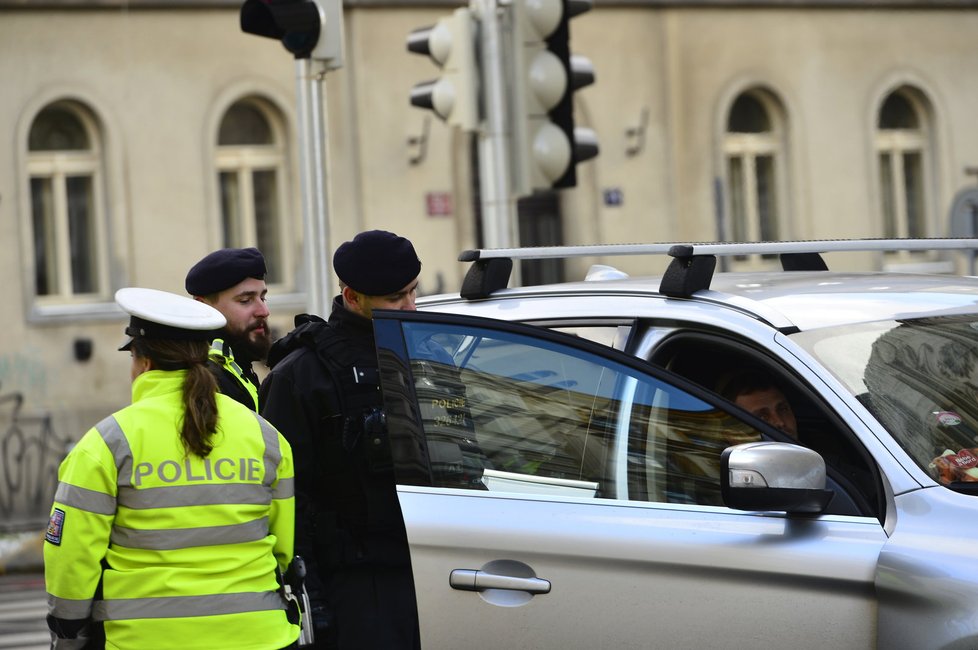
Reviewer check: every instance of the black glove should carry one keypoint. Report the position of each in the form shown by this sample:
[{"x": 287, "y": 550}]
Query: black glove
[{"x": 75, "y": 634}]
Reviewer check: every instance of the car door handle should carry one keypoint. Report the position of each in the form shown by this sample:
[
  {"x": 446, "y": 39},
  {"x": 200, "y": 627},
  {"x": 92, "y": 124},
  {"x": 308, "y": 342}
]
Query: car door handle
[{"x": 472, "y": 580}]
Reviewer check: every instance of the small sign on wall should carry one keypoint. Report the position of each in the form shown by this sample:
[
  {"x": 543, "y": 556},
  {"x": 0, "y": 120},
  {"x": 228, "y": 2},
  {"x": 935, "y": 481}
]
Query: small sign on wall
[
  {"x": 613, "y": 196},
  {"x": 439, "y": 204}
]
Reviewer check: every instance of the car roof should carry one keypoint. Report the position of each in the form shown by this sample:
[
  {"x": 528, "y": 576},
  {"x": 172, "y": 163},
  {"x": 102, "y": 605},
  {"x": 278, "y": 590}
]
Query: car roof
[
  {"x": 788, "y": 300},
  {"x": 816, "y": 299}
]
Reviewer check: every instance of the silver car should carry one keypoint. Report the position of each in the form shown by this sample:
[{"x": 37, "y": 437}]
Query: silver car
[{"x": 572, "y": 475}]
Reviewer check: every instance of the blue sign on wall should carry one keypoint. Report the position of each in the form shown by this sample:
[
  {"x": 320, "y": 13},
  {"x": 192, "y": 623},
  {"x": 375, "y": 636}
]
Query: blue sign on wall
[{"x": 614, "y": 196}]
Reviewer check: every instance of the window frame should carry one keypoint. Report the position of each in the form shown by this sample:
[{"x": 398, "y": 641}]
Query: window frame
[
  {"x": 57, "y": 166},
  {"x": 895, "y": 145},
  {"x": 244, "y": 161},
  {"x": 748, "y": 148}
]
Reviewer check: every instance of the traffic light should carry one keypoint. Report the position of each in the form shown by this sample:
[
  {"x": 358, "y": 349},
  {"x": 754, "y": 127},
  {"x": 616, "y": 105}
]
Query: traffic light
[
  {"x": 307, "y": 28},
  {"x": 451, "y": 43},
  {"x": 545, "y": 74}
]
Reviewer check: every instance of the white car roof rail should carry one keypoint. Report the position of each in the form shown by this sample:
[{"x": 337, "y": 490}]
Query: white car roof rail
[
  {"x": 693, "y": 262},
  {"x": 720, "y": 248}
]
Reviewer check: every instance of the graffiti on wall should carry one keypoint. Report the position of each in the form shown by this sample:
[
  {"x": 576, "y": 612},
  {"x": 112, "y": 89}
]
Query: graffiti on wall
[{"x": 30, "y": 452}]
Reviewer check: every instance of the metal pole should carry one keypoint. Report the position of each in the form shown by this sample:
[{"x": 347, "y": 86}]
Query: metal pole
[
  {"x": 312, "y": 164},
  {"x": 718, "y": 213},
  {"x": 973, "y": 207},
  {"x": 498, "y": 208}
]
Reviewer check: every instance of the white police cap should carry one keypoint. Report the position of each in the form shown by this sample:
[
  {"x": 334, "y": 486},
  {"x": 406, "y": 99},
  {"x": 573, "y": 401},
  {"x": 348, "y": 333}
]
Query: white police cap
[{"x": 158, "y": 314}]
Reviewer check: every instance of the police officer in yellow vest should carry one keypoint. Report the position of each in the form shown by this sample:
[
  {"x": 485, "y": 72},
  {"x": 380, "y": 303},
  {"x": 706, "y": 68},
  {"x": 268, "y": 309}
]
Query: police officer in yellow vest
[
  {"x": 173, "y": 518},
  {"x": 232, "y": 280}
]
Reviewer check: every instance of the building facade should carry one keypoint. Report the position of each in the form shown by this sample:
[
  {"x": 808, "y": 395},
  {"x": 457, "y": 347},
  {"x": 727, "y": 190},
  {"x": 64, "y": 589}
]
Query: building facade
[{"x": 141, "y": 135}]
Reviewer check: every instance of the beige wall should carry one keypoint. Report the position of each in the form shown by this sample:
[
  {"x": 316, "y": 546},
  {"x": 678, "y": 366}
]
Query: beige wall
[
  {"x": 160, "y": 80},
  {"x": 158, "y": 87},
  {"x": 830, "y": 68}
]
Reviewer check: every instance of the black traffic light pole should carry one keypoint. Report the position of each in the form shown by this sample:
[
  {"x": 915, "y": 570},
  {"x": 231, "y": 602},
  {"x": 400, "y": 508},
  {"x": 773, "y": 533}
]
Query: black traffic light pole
[{"x": 312, "y": 31}]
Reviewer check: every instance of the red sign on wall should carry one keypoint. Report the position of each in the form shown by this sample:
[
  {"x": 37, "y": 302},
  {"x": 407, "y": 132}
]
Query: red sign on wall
[{"x": 439, "y": 204}]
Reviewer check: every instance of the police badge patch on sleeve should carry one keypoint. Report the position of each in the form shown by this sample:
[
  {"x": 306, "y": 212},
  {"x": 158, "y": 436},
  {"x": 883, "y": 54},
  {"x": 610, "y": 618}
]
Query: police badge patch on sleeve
[{"x": 55, "y": 526}]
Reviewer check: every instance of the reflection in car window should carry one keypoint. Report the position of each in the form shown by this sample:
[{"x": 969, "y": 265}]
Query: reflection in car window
[
  {"x": 612, "y": 336},
  {"x": 919, "y": 377},
  {"x": 509, "y": 413}
]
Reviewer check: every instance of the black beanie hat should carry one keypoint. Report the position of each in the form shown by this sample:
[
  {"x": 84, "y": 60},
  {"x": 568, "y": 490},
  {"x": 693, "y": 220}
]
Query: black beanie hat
[
  {"x": 223, "y": 269},
  {"x": 376, "y": 263}
]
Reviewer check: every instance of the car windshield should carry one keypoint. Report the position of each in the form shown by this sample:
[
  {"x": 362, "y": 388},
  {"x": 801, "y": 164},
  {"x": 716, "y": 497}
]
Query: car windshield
[{"x": 919, "y": 377}]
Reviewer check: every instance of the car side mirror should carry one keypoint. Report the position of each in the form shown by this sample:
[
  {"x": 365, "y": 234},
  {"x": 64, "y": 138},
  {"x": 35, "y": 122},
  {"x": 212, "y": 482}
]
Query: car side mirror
[{"x": 773, "y": 476}]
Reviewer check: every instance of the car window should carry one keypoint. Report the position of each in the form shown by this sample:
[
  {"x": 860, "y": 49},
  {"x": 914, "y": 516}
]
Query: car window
[
  {"x": 612, "y": 336},
  {"x": 919, "y": 378},
  {"x": 722, "y": 364},
  {"x": 510, "y": 413}
]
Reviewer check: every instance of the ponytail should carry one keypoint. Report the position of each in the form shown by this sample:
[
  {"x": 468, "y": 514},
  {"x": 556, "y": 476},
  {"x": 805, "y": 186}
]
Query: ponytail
[
  {"x": 199, "y": 408},
  {"x": 199, "y": 420}
]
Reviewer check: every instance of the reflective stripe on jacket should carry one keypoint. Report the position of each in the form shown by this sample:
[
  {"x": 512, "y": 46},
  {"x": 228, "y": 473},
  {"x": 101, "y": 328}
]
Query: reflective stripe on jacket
[
  {"x": 244, "y": 389},
  {"x": 190, "y": 545}
]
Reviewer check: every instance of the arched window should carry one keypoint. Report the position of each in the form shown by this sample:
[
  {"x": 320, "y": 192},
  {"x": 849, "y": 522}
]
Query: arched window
[
  {"x": 902, "y": 153},
  {"x": 753, "y": 151},
  {"x": 64, "y": 166},
  {"x": 250, "y": 162}
]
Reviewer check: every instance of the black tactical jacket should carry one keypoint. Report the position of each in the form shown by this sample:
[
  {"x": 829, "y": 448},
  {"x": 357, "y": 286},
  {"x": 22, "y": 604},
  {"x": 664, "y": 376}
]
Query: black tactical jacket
[{"x": 346, "y": 503}]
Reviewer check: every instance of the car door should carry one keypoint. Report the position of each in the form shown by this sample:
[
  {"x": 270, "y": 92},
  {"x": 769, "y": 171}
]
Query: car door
[{"x": 560, "y": 494}]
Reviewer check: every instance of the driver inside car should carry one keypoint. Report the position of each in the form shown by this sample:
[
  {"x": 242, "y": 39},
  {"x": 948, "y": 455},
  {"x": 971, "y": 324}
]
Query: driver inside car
[{"x": 756, "y": 392}]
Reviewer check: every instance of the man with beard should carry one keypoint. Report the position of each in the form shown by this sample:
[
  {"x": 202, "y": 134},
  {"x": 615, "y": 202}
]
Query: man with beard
[{"x": 232, "y": 280}]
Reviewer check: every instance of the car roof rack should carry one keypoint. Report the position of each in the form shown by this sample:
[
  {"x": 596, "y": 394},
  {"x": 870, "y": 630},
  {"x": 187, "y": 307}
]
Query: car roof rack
[{"x": 693, "y": 264}]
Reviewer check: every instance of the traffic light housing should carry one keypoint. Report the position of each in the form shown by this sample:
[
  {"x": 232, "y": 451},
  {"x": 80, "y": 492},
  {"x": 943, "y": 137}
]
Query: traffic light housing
[
  {"x": 451, "y": 44},
  {"x": 545, "y": 141},
  {"x": 307, "y": 28}
]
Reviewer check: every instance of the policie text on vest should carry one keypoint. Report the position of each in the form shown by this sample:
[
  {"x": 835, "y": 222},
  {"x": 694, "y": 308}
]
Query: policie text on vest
[{"x": 224, "y": 469}]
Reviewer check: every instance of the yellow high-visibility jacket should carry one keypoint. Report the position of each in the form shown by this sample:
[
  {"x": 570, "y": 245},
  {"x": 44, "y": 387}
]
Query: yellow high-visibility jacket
[{"x": 185, "y": 548}]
